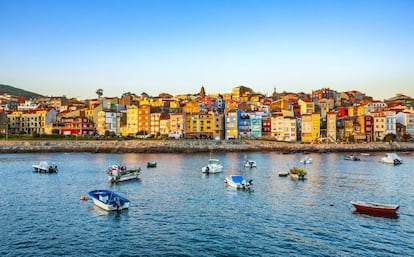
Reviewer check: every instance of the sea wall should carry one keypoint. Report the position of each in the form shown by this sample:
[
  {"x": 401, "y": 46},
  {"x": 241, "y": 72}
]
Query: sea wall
[{"x": 190, "y": 146}]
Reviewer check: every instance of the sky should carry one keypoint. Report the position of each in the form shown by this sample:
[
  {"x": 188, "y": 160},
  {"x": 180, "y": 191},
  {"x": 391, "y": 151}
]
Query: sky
[{"x": 74, "y": 47}]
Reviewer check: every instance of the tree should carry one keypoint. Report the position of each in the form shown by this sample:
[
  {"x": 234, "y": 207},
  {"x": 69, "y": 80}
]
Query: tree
[{"x": 389, "y": 137}]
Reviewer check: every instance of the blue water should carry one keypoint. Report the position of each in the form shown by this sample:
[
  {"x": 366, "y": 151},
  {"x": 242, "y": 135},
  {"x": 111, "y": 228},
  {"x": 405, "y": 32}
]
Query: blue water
[{"x": 177, "y": 211}]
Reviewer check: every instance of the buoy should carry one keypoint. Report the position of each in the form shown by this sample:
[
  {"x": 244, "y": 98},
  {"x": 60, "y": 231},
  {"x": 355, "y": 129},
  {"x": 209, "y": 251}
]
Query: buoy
[
  {"x": 331, "y": 204},
  {"x": 83, "y": 198}
]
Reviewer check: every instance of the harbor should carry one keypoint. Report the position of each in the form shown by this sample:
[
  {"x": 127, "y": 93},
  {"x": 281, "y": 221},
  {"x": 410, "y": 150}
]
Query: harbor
[{"x": 176, "y": 210}]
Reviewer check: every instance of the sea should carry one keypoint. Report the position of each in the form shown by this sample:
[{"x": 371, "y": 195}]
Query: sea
[{"x": 178, "y": 211}]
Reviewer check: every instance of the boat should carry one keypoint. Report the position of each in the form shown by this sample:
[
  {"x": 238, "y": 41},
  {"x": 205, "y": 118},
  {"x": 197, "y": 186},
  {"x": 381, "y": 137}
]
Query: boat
[
  {"x": 109, "y": 200},
  {"x": 152, "y": 164},
  {"x": 298, "y": 173},
  {"x": 405, "y": 153},
  {"x": 249, "y": 164},
  {"x": 213, "y": 166},
  {"x": 351, "y": 158},
  {"x": 306, "y": 160},
  {"x": 391, "y": 158},
  {"x": 118, "y": 173},
  {"x": 45, "y": 167},
  {"x": 238, "y": 182},
  {"x": 283, "y": 173},
  {"x": 376, "y": 208}
]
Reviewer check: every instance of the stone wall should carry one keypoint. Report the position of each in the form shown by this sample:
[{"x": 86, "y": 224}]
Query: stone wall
[{"x": 188, "y": 146}]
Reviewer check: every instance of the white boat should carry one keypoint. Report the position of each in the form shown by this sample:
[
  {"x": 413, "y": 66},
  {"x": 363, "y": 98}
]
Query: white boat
[
  {"x": 119, "y": 173},
  {"x": 249, "y": 164},
  {"x": 238, "y": 182},
  {"x": 45, "y": 167},
  {"x": 109, "y": 200},
  {"x": 213, "y": 166},
  {"x": 351, "y": 158},
  {"x": 306, "y": 160},
  {"x": 391, "y": 158}
]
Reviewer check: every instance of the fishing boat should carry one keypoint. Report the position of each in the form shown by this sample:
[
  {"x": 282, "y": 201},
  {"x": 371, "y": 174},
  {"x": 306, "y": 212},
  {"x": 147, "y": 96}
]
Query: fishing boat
[
  {"x": 152, "y": 164},
  {"x": 109, "y": 200},
  {"x": 306, "y": 160},
  {"x": 376, "y": 208},
  {"x": 118, "y": 173},
  {"x": 213, "y": 166},
  {"x": 351, "y": 158},
  {"x": 45, "y": 167},
  {"x": 249, "y": 164},
  {"x": 298, "y": 173},
  {"x": 391, "y": 158},
  {"x": 238, "y": 182}
]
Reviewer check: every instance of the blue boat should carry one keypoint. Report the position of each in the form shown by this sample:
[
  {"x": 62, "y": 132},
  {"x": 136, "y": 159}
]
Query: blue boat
[
  {"x": 238, "y": 182},
  {"x": 109, "y": 200}
]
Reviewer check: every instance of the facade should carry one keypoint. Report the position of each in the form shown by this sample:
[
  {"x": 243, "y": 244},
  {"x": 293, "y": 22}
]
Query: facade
[
  {"x": 379, "y": 126},
  {"x": 406, "y": 118},
  {"x": 331, "y": 126},
  {"x": 231, "y": 124}
]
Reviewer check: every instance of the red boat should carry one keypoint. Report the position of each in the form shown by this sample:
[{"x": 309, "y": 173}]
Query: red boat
[{"x": 377, "y": 208}]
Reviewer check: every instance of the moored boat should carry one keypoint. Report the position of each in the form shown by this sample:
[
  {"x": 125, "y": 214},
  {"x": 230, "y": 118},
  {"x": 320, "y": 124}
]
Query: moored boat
[
  {"x": 376, "y": 208},
  {"x": 351, "y": 158},
  {"x": 391, "y": 158},
  {"x": 152, "y": 164},
  {"x": 283, "y": 173},
  {"x": 119, "y": 173},
  {"x": 45, "y": 167},
  {"x": 249, "y": 163},
  {"x": 297, "y": 173},
  {"x": 213, "y": 166},
  {"x": 238, "y": 182},
  {"x": 109, "y": 200},
  {"x": 306, "y": 160}
]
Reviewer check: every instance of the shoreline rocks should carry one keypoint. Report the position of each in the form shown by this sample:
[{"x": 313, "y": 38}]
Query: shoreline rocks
[{"x": 192, "y": 146}]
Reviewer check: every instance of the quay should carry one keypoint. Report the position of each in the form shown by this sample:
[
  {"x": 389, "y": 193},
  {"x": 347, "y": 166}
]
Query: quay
[{"x": 192, "y": 146}]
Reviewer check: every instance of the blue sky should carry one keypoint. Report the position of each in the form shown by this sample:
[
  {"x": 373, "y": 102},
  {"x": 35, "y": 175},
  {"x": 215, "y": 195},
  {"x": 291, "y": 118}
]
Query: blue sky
[{"x": 74, "y": 47}]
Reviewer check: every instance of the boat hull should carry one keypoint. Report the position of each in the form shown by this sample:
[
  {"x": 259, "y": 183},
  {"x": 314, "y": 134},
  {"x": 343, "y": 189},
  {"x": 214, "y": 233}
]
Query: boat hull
[
  {"x": 44, "y": 167},
  {"x": 117, "y": 174},
  {"x": 109, "y": 200},
  {"x": 375, "y": 208},
  {"x": 238, "y": 183}
]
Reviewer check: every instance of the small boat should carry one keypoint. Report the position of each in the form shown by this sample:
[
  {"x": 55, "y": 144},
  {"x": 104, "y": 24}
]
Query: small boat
[
  {"x": 213, "y": 166},
  {"x": 45, "y": 167},
  {"x": 119, "y": 173},
  {"x": 306, "y": 160},
  {"x": 391, "y": 158},
  {"x": 109, "y": 200},
  {"x": 249, "y": 164},
  {"x": 152, "y": 164},
  {"x": 365, "y": 154},
  {"x": 298, "y": 173},
  {"x": 405, "y": 153},
  {"x": 376, "y": 208},
  {"x": 351, "y": 158},
  {"x": 238, "y": 182},
  {"x": 283, "y": 173}
]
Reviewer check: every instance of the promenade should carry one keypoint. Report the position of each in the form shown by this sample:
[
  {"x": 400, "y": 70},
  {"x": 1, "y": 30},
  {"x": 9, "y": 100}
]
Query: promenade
[{"x": 191, "y": 146}]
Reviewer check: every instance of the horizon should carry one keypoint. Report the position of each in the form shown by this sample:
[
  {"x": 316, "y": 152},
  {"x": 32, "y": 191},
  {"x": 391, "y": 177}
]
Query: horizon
[{"x": 75, "y": 47}]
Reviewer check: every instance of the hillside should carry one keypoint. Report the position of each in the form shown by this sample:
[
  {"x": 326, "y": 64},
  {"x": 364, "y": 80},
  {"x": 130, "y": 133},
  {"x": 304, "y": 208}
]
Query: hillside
[{"x": 17, "y": 92}]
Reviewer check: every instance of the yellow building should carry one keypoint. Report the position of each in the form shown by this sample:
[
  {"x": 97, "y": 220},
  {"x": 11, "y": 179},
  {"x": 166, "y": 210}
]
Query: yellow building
[
  {"x": 132, "y": 120},
  {"x": 177, "y": 127},
  {"x": 199, "y": 125},
  {"x": 306, "y": 106},
  {"x": 311, "y": 127}
]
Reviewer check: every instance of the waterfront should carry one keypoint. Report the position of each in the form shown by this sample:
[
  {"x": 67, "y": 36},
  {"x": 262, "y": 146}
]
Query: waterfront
[{"x": 176, "y": 210}]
